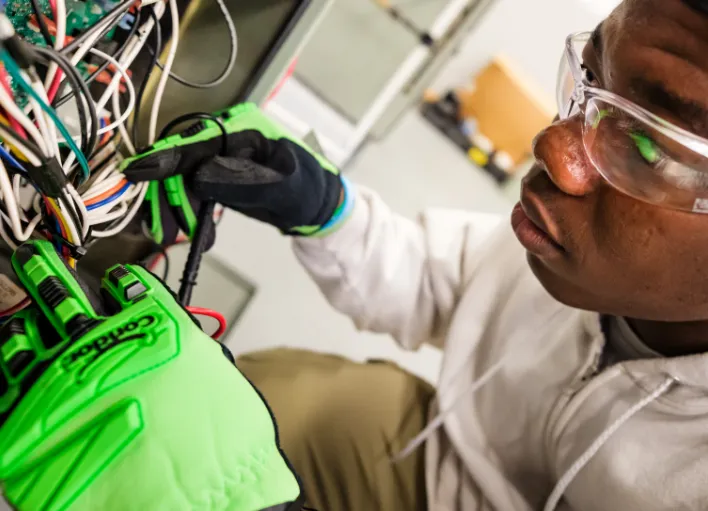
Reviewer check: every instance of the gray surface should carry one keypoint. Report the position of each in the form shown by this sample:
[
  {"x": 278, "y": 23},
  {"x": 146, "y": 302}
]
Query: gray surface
[
  {"x": 531, "y": 34},
  {"x": 412, "y": 94},
  {"x": 219, "y": 287},
  {"x": 203, "y": 52},
  {"x": 356, "y": 49}
]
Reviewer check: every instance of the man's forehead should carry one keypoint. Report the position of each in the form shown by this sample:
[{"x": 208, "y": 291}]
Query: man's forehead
[{"x": 652, "y": 51}]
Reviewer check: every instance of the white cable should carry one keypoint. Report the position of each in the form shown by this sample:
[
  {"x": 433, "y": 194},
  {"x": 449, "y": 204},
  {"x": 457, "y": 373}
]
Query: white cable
[
  {"x": 89, "y": 43},
  {"x": 103, "y": 187},
  {"x": 8, "y": 195},
  {"x": 104, "y": 173},
  {"x": 12, "y": 109},
  {"x": 102, "y": 218},
  {"x": 160, "y": 90},
  {"x": 59, "y": 39},
  {"x": 17, "y": 142},
  {"x": 129, "y": 85},
  {"x": 591, "y": 451},
  {"x": 128, "y": 218},
  {"x": 4, "y": 236},
  {"x": 129, "y": 54},
  {"x": 46, "y": 126},
  {"x": 131, "y": 94},
  {"x": 16, "y": 188},
  {"x": 81, "y": 208},
  {"x": 124, "y": 135},
  {"x": 73, "y": 230},
  {"x": 233, "y": 52}
]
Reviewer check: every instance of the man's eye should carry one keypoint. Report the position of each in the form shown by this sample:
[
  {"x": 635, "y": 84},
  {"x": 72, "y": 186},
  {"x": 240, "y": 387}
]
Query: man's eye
[
  {"x": 589, "y": 75},
  {"x": 647, "y": 147}
]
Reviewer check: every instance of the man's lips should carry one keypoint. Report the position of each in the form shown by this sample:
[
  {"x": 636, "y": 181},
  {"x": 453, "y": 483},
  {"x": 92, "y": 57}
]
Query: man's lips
[{"x": 531, "y": 231}]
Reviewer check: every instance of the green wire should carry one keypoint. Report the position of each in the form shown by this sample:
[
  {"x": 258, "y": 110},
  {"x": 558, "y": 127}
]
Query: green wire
[{"x": 14, "y": 71}]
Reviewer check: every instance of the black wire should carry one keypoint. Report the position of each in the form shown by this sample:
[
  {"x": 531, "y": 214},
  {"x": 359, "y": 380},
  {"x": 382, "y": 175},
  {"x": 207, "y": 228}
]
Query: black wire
[
  {"x": 28, "y": 144},
  {"x": 78, "y": 40},
  {"x": 205, "y": 226},
  {"x": 72, "y": 212},
  {"x": 116, "y": 55},
  {"x": 205, "y": 219},
  {"x": 135, "y": 129},
  {"x": 228, "y": 68},
  {"x": 43, "y": 28},
  {"x": 79, "y": 87}
]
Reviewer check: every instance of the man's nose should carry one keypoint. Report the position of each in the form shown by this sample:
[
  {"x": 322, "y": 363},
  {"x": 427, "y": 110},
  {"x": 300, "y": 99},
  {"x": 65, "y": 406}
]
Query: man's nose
[{"x": 559, "y": 151}]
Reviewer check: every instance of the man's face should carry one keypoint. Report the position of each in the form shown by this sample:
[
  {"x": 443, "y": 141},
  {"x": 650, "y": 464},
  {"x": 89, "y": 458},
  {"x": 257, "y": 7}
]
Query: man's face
[{"x": 612, "y": 253}]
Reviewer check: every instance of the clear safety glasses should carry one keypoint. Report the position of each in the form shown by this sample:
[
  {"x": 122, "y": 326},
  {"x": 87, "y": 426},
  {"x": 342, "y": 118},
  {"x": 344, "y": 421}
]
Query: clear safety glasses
[{"x": 635, "y": 151}]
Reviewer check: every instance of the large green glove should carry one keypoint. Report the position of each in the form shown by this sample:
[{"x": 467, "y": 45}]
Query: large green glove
[
  {"x": 138, "y": 410},
  {"x": 261, "y": 170}
]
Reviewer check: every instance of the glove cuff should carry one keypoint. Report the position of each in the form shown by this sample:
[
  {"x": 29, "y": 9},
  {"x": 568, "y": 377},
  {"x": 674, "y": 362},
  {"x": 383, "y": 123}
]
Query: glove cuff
[{"x": 342, "y": 213}]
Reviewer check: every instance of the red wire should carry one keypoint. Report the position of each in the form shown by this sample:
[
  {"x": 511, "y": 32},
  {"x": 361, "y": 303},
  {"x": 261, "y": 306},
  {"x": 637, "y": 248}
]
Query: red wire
[
  {"x": 5, "y": 83},
  {"x": 54, "y": 87},
  {"x": 201, "y": 311}
]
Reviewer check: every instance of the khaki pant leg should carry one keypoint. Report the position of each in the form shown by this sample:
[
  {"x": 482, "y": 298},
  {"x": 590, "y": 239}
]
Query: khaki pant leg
[{"x": 340, "y": 422}]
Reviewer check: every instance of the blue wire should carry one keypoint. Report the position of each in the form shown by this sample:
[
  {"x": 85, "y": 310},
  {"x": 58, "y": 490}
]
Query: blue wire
[
  {"x": 5, "y": 154},
  {"x": 14, "y": 71},
  {"x": 57, "y": 245},
  {"x": 109, "y": 199}
]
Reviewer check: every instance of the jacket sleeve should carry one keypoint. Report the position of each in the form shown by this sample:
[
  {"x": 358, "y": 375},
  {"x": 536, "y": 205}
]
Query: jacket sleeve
[{"x": 392, "y": 275}]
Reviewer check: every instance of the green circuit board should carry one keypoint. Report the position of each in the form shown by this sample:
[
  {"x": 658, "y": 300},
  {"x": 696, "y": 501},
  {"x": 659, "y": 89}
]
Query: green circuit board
[{"x": 80, "y": 15}]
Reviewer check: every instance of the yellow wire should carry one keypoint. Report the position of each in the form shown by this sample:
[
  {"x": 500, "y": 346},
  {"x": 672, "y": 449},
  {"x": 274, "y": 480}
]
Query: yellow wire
[
  {"x": 62, "y": 220},
  {"x": 14, "y": 149}
]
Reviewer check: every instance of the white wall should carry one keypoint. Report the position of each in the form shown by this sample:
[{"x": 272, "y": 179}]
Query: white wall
[{"x": 530, "y": 32}]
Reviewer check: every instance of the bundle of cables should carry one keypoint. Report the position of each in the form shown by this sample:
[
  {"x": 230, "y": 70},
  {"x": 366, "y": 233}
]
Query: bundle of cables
[{"x": 64, "y": 120}]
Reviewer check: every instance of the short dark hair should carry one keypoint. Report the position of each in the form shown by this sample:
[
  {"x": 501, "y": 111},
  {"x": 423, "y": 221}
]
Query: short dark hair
[{"x": 699, "y": 5}]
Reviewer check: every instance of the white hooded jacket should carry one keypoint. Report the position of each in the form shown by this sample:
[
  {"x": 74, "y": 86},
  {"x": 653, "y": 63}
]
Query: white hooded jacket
[{"x": 529, "y": 421}]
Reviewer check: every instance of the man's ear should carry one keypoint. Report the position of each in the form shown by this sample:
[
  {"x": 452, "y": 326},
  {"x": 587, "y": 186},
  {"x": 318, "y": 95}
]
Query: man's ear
[{"x": 699, "y": 5}]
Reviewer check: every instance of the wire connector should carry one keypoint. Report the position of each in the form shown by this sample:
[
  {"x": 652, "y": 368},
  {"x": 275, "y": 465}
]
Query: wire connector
[{"x": 49, "y": 178}]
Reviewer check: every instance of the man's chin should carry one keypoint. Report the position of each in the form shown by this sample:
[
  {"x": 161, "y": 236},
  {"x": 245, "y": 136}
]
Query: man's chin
[{"x": 559, "y": 287}]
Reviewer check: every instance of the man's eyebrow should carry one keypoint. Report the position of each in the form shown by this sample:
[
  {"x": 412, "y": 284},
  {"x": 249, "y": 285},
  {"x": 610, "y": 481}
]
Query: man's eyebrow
[
  {"x": 692, "y": 113},
  {"x": 596, "y": 39}
]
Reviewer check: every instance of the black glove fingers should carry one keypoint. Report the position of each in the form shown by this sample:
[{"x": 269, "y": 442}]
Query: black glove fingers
[{"x": 155, "y": 167}]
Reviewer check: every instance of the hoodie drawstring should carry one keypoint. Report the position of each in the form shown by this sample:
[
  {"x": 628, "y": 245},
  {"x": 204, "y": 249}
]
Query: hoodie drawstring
[
  {"x": 592, "y": 450},
  {"x": 506, "y": 359}
]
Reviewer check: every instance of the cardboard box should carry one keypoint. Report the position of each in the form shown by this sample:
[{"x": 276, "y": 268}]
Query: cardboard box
[{"x": 509, "y": 109}]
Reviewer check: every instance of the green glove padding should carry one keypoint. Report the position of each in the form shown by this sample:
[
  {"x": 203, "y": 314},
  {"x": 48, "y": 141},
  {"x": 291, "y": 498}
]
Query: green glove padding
[{"x": 139, "y": 410}]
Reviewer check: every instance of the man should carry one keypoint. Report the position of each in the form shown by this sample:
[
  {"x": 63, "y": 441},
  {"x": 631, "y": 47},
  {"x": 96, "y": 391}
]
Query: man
[{"x": 575, "y": 374}]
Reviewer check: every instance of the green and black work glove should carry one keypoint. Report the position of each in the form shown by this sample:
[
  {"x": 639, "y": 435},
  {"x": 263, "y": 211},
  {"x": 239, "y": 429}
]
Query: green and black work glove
[
  {"x": 137, "y": 409},
  {"x": 262, "y": 171}
]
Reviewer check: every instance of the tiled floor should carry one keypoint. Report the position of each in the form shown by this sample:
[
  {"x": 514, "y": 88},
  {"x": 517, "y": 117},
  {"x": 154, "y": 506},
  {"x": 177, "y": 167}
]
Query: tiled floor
[{"x": 413, "y": 168}]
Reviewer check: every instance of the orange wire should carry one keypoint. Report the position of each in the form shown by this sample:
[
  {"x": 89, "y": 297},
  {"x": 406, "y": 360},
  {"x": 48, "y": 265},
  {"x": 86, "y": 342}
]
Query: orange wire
[{"x": 106, "y": 194}]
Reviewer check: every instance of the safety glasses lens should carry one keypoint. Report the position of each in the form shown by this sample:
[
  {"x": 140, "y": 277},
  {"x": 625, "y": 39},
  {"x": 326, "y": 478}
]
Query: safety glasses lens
[{"x": 637, "y": 159}]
